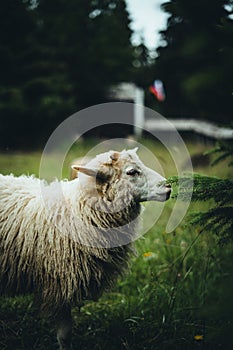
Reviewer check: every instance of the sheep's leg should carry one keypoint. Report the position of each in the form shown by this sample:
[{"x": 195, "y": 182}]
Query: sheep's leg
[{"x": 64, "y": 329}]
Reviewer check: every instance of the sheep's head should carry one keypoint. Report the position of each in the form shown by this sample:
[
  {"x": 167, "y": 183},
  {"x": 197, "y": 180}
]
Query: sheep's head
[{"x": 115, "y": 174}]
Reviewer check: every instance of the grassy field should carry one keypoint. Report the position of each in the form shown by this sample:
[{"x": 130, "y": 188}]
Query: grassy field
[{"x": 177, "y": 294}]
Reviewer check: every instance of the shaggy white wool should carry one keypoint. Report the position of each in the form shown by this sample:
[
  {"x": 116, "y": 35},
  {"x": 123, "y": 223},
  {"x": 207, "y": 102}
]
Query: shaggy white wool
[{"x": 53, "y": 241}]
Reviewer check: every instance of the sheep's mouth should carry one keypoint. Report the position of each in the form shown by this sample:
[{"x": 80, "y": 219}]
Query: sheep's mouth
[
  {"x": 158, "y": 197},
  {"x": 164, "y": 197}
]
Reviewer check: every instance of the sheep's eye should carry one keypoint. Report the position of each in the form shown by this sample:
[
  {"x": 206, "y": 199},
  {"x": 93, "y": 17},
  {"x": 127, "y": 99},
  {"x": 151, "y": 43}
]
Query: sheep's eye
[{"x": 132, "y": 172}]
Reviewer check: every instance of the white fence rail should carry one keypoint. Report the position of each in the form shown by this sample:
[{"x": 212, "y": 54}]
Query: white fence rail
[
  {"x": 200, "y": 127},
  {"x": 130, "y": 92}
]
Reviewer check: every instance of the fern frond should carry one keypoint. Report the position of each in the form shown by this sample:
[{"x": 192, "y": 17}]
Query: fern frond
[
  {"x": 202, "y": 188},
  {"x": 218, "y": 220},
  {"x": 225, "y": 149}
]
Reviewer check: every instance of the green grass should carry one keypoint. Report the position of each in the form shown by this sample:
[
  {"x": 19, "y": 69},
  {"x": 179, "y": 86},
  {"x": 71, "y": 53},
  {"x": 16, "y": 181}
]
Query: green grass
[{"x": 177, "y": 294}]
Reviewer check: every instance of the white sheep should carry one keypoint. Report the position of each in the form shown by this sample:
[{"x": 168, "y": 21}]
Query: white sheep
[{"x": 68, "y": 241}]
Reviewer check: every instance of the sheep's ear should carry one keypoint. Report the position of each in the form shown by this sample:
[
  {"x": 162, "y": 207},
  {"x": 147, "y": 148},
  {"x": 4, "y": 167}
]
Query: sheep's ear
[
  {"x": 114, "y": 156},
  {"x": 99, "y": 175},
  {"x": 135, "y": 149},
  {"x": 85, "y": 170}
]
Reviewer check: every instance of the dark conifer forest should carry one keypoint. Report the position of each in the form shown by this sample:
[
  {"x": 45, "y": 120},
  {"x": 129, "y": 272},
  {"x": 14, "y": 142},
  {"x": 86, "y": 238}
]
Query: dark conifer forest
[{"x": 57, "y": 57}]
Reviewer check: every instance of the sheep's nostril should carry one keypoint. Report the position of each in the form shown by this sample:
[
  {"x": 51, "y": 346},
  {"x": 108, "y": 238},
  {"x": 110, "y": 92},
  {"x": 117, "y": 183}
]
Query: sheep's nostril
[{"x": 169, "y": 189}]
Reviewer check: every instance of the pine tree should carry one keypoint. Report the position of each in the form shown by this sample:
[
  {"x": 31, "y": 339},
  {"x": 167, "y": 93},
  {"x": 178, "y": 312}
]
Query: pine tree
[
  {"x": 16, "y": 43},
  {"x": 219, "y": 218},
  {"x": 91, "y": 39},
  {"x": 57, "y": 57},
  {"x": 142, "y": 64},
  {"x": 194, "y": 62}
]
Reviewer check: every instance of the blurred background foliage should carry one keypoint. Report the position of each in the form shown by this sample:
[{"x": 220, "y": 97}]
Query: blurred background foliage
[
  {"x": 57, "y": 57},
  {"x": 195, "y": 62}
]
